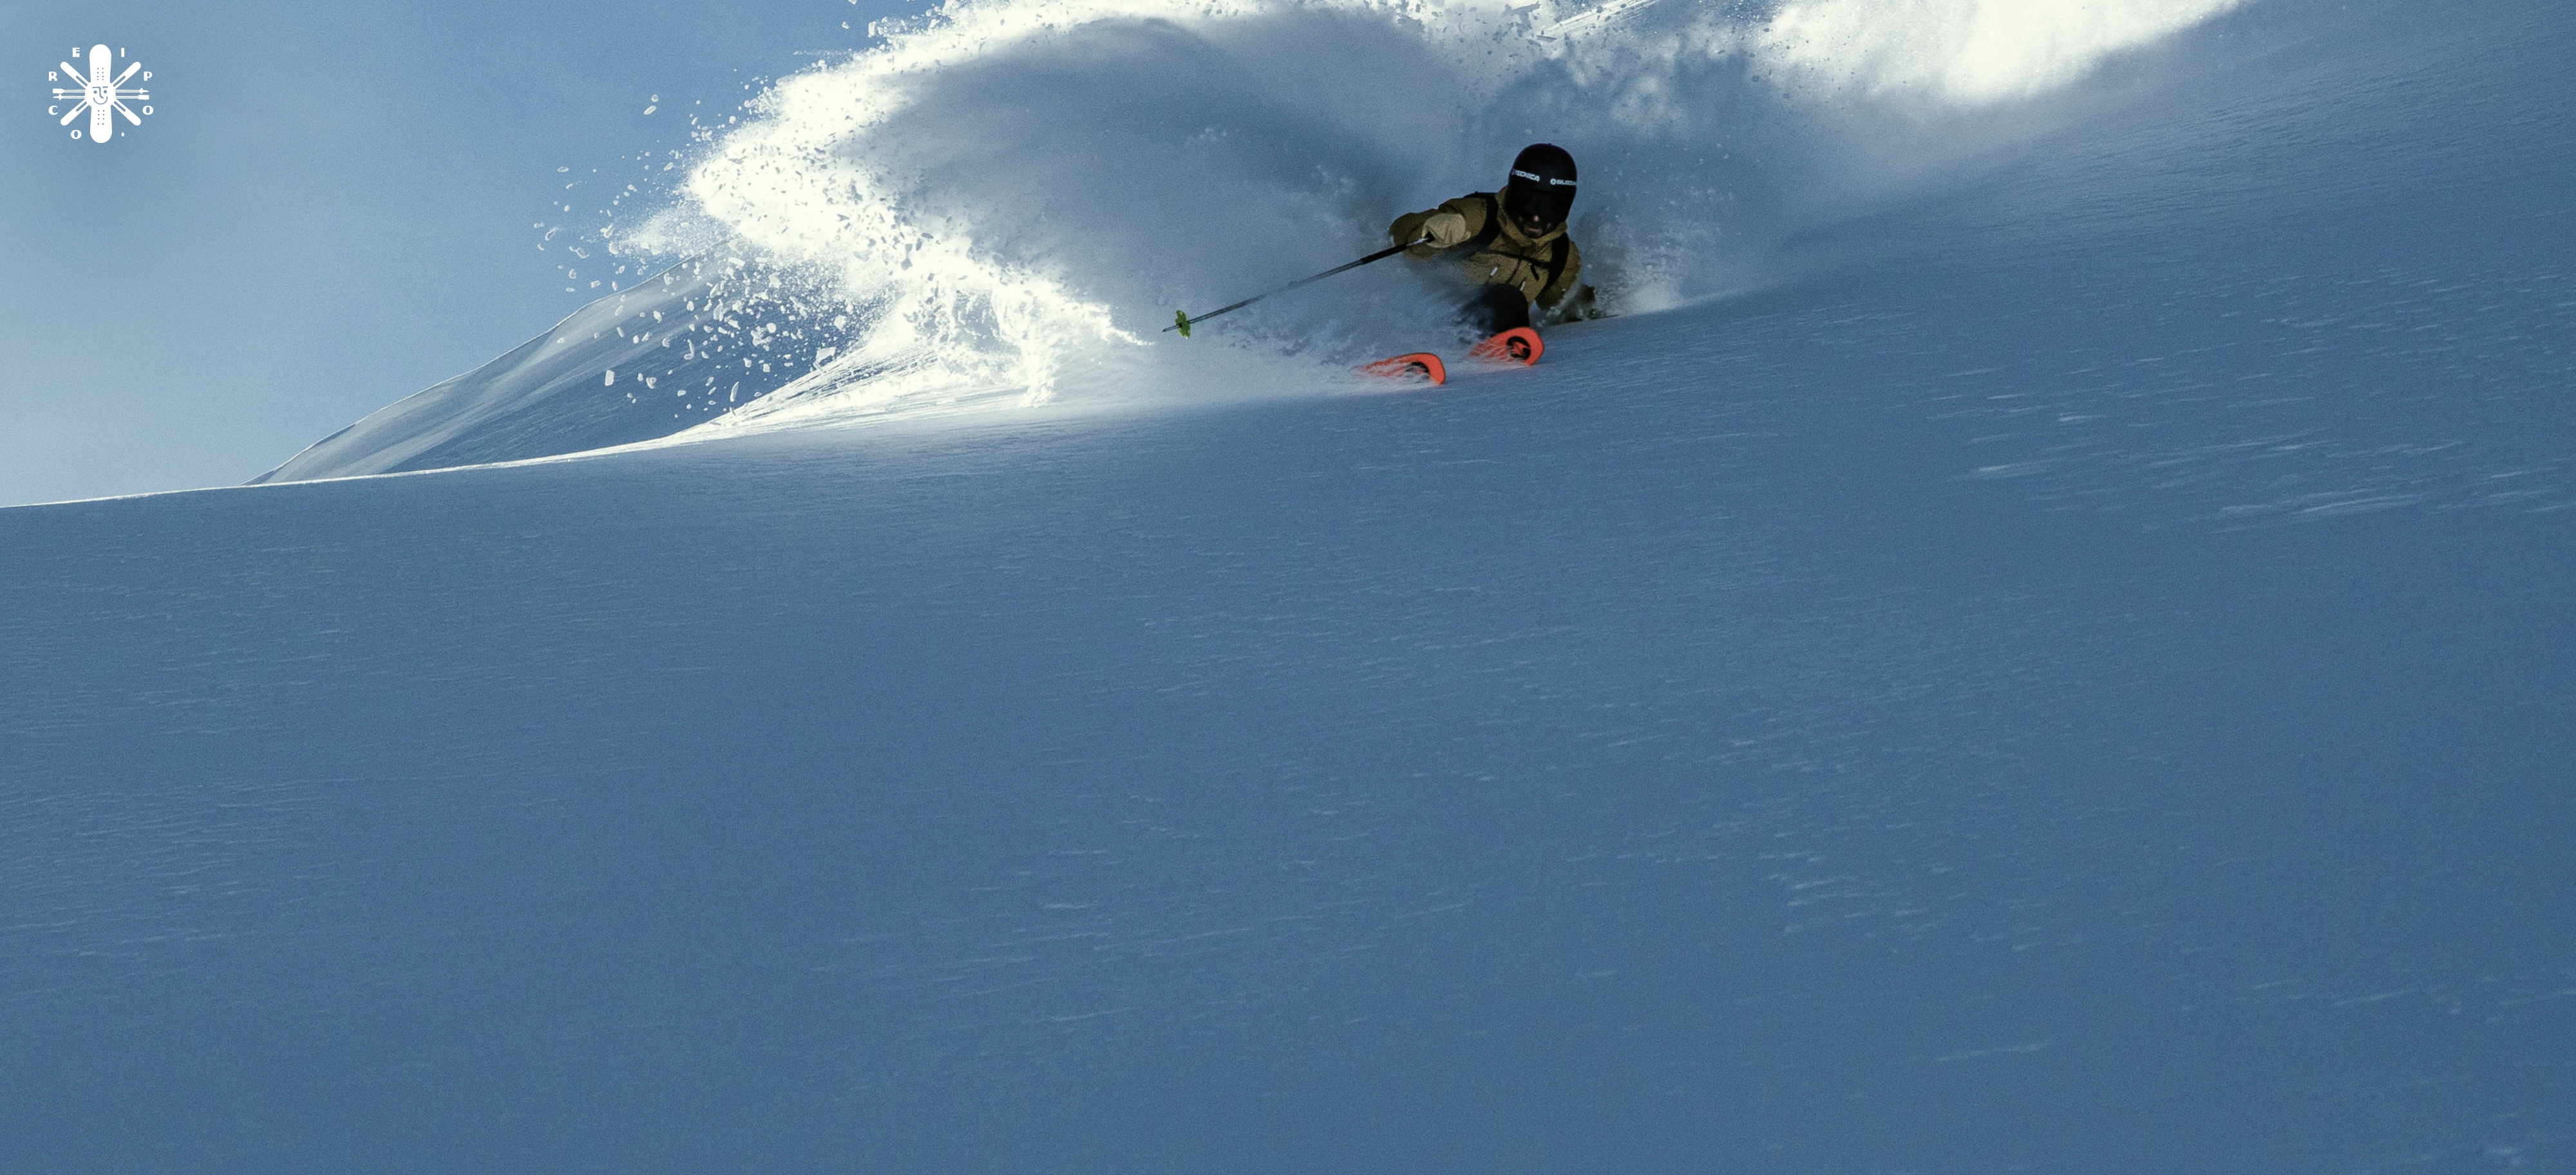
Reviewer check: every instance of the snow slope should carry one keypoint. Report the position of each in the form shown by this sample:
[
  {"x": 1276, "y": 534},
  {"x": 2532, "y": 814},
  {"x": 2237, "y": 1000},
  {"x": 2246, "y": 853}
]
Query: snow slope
[
  {"x": 2065, "y": 667},
  {"x": 1003, "y": 202}
]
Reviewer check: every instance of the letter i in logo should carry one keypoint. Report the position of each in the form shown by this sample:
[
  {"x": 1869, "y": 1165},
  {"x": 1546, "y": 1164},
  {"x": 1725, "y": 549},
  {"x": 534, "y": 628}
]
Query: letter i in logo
[{"x": 101, "y": 97}]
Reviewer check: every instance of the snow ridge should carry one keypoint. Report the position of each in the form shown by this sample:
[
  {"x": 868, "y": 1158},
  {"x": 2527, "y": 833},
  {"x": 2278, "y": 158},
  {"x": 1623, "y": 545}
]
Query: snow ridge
[{"x": 1002, "y": 202}]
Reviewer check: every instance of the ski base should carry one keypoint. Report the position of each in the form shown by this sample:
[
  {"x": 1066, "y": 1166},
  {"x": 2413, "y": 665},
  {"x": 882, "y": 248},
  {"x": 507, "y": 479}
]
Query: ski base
[{"x": 1418, "y": 367}]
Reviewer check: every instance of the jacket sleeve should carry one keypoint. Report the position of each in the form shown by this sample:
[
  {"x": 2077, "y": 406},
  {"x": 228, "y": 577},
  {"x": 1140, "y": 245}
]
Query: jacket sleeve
[
  {"x": 1556, "y": 290},
  {"x": 1406, "y": 228},
  {"x": 1409, "y": 226}
]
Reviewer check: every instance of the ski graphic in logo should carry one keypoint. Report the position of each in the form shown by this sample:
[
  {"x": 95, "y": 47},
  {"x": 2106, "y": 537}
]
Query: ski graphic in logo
[{"x": 102, "y": 97}]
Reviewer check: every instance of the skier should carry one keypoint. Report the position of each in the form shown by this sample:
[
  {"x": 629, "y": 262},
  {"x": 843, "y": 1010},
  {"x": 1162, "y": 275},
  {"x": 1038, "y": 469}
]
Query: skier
[{"x": 1512, "y": 243}]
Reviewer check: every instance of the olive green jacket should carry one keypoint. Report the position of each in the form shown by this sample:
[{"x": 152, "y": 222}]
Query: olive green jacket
[{"x": 1509, "y": 259}]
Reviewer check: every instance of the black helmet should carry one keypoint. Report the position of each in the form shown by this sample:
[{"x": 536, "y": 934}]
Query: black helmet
[{"x": 1541, "y": 190}]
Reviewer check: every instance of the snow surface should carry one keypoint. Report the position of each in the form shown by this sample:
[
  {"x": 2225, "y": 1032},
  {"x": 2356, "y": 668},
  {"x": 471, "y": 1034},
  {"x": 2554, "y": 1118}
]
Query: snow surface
[
  {"x": 2041, "y": 641},
  {"x": 1002, "y": 203}
]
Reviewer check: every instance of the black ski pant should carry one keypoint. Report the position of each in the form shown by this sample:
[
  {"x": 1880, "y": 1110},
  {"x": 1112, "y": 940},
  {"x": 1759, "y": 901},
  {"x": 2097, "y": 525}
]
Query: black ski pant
[{"x": 1495, "y": 309}]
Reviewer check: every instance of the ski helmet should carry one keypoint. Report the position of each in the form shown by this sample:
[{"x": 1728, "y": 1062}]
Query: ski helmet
[{"x": 1541, "y": 190}]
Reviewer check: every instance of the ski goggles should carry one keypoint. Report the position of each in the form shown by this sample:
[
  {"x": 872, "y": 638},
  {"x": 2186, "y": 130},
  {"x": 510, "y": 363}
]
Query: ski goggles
[{"x": 1529, "y": 196}]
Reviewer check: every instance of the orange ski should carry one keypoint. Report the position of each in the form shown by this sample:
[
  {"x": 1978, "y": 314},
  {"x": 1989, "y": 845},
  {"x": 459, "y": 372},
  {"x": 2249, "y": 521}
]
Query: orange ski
[
  {"x": 1422, "y": 366},
  {"x": 1517, "y": 345}
]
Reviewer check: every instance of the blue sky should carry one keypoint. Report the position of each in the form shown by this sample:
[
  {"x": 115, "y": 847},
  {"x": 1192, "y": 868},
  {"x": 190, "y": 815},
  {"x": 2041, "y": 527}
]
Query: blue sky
[{"x": 328, "y": 209}]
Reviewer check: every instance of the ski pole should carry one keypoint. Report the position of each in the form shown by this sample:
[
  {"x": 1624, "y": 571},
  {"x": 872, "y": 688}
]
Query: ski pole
[{"x": 1182, "y": 322}]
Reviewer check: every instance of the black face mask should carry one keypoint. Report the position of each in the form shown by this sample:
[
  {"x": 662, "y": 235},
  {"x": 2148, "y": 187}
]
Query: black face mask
[{"x": 1526, "y": 202}]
